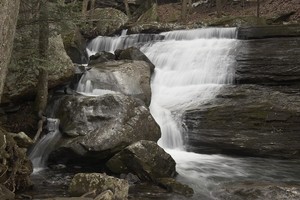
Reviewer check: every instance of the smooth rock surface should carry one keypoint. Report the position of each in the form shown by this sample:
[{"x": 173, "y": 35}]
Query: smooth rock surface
[
  {"x": 269, "y": 62},
  {"x": 247, "y": 120},
  {"x": 268, "y": 31}
]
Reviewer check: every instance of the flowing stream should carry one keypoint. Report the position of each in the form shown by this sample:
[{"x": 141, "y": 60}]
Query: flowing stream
[{"x": 191, "y": 68}]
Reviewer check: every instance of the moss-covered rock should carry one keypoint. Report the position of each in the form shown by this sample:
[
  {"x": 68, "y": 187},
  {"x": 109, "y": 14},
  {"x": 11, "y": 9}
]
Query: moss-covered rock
[
  {"x": 83, "y": 183},
  {"x": 22, "y": 74}
]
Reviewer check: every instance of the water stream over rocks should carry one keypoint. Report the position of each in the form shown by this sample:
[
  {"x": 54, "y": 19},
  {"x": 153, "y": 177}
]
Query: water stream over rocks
[{"x": 192, "y": 66}]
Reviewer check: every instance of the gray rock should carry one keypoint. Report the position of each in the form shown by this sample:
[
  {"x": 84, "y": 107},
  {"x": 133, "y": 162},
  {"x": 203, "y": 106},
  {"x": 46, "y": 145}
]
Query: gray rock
[
  {"x": 145, "y": 159},
  {"x": 269, "y": 31},
  {"x": 101, "y": 126},
  {"x": 247, "y": 120},
  {"x": 269, "y": 62},
  {"x": 84, "y": 183},
  {"x": 128, "y": 77},
  {"x": 134, "y": 53},
  {"x": 101, "y": 57}
]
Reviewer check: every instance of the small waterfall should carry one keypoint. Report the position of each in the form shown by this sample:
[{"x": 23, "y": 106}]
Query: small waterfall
[
  {"x": 207, "y": 33},
  {"x": 191, "y": 67},
  {"x": 110, "y": 44},
  {"x": 40, "y": 152}
]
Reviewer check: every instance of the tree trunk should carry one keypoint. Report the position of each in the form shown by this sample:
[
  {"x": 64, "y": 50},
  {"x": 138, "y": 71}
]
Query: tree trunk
[
  {"x": 219, "y": 8},
  {"x": 184, "y": 10},
  {"x": 43, "y": 29},
  {"x": 9, "y": 10},
  {"x": 42, "y": 85},
  {"x": 127, "y": 8},
  {"x": 84, "y": 8},
  {"x": 258, "y": 8}
]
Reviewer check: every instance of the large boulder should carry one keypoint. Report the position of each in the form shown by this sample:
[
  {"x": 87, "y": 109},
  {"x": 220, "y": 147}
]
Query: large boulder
[
  {"x": 98, "y": 127},
  {"x": 83, "y": 183},
  {"x": 128, "y": 77},
  {"x": 145, "y": 159},
  {"x": 247, "y": 120},
  {"x": 22, "y": 74},
  {"x": 269, "y": 62}
]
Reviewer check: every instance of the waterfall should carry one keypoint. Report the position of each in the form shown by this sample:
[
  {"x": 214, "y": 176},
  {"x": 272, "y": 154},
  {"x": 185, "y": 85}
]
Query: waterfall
[
  {"x": 191, "y": 67},
  {"x": 110, "y": 44},
  {"x": 40, "y": 152}
]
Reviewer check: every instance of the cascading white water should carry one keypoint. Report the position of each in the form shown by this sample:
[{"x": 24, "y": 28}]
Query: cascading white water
[
  {"x": 40, "y": 152},
  {"x": 191, "y": 66},
  {"x": 110, "y": 44}
]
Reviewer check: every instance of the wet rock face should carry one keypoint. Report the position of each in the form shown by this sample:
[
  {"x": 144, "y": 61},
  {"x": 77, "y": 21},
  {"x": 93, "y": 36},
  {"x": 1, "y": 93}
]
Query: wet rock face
[
  {"x": 101, "y": 126},
  {"x": 269, "y": 62},
  {"x": 145, "y": 159},
  {"x": 101, "y": 184},
  {"x": 268, "y": 32},
  {"x": 247, "y": 120}
]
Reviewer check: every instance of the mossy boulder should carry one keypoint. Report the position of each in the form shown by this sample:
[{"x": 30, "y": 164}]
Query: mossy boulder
[
  {"x": 83, "y": 183},
  {"x": 22, "y": 74}
]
